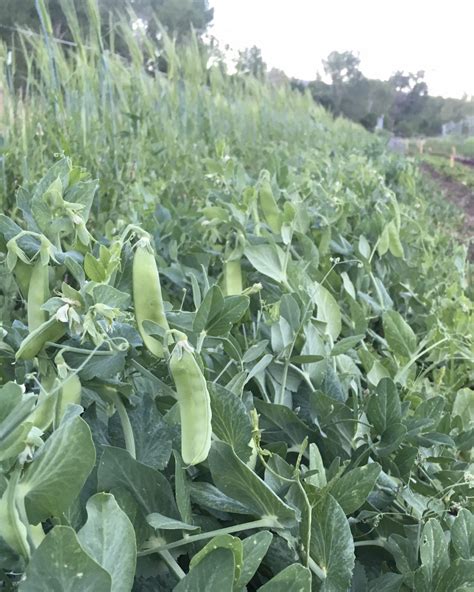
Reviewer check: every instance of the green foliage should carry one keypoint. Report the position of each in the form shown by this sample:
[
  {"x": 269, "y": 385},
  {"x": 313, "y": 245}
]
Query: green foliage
[{"x": 339, "y": 377}]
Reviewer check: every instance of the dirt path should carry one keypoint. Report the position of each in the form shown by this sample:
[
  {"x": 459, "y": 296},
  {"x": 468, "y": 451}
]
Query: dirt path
[{"x": 461, "y": 196}]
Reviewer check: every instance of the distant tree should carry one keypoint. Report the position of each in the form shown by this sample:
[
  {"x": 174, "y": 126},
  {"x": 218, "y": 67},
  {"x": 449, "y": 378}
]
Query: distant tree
[
  {"x": 250, "y": 61},
  {"x": 343, "y": 69},
  {"x": 178, "y": 17}
]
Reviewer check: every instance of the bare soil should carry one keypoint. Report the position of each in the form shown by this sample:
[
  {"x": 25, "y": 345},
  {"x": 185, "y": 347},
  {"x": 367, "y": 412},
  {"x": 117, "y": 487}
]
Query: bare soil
[{"x": 462, "y": 197}]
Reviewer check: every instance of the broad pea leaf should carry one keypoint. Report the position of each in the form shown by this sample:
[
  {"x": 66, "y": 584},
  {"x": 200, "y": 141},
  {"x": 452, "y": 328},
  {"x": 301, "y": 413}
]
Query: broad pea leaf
[
  {"x": 254, "y": 548},
  {"x": 208, "y": 496},
  {"x": 223, "y": 541},
  {"x": 238, "y": 481},
  {"x": 230, "y": 420},
  {"x": 328, "y": 310},
  {"x": 462, "y": 534},
  {"x": 459, "y": 577},
  {"x": 149, "y": 487},
  {"x": 383, "y": 409},
  {"x": 109, "y": 538},
  {"x": 58, "y": 470},
  {"x": 280, "y": 423},
  {"x": 215, "y": 573},
  {"x": 268, "y": 260},
  {"x": 60, "y": 564},
  {"x": 352, "y": 489},
  {"x": 331, "y": 546},
  {"x": 153, "y": 436},
  {"x": 434, "y": 552},
  {"x": 160, "y": 522},
  {"x": 398, "y": 334},
  {"x": 217, "y": 314},
  {"x": 294, "y": 578}
]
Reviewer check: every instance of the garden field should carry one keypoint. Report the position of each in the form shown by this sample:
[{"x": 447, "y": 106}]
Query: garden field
[{"x": 236, "y": 336}]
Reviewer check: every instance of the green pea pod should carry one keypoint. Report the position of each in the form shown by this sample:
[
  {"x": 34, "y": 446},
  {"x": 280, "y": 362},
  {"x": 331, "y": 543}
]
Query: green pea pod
[
  {"x": 147, "y": 298},
  {"x": 70, "y": 393},
  {"x": 22, "y": 273},
  {"x": 232, "y": 278},
  {"x": 50, "y": 330},
  {"x": 38, "y": 293},
  {"x": 270, "y": 209},
  {"x": 194, "y": 404}
]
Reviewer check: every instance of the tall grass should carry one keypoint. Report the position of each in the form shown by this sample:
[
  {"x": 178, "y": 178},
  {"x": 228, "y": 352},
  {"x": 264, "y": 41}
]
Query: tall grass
[{"x": 140, "y": 131}]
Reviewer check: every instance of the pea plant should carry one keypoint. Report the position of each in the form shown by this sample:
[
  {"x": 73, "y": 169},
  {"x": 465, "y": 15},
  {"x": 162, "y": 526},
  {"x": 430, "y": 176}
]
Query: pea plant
[{"x": 273, "y": 403}]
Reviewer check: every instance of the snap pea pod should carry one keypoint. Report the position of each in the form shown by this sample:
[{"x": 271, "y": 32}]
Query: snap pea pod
[
  {"x": 270, "y": 209},
  {"x": 232, "y": 278},
  {"x": 194, "y": 404},
  {"x": 147, "y": 298},
  {"x": 50, "y": 330},
  {"x": 22, "y": 273},
  {"x": 38, "y": 293}
]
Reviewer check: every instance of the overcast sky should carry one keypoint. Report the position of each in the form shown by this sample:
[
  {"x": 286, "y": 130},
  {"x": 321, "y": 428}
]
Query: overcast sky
[{"x": 295, "y": 35}]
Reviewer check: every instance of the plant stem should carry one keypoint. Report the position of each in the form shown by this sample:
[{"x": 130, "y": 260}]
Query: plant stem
[
  {"x": 314, "y": 567},
  {"x": 172, "y": 564},
  {"x": 371, "y": 543},
  {"x": 262, "y": 523}
]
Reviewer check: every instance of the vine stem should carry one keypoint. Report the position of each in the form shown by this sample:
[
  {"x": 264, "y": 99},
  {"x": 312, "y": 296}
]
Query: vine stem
[
  {"x": 262, "y": 523},
  {"x": 314, "y": 567},
  {"x": 173, "y": 564},
  {"x": 371, "y": 543}
]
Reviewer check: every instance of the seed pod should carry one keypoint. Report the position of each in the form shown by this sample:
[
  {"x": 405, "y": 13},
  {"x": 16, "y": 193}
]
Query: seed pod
[
  {"x": 38, "y": 293},
  {"x": 22, "y": 273},
  {"x": 270, "y": 209},
  {"x": 232, "y": 278},
  {"x": 70, "y": 393},
  {"x": 147, "y": 298},
  {"x": 194, "y": 404},
  {"x": 50, "y": 330}
]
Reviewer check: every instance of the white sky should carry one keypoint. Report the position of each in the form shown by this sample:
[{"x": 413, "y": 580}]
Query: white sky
[{"x": 295, "y": 35}]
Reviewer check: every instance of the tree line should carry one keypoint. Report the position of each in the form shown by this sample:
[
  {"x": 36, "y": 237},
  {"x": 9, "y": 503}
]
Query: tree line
[{"x": 403, "y": 101}]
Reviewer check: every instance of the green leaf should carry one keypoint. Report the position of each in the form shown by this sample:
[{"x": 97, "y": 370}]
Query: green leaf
[
  {"x": 352, "y": 489},
  {"x": 398, "y": 334},
  {"x": 332, "y": 547},
  {"x": 58, "y": 471},
  {"x": 328, "y": 310},
  {"x": 254, "y": 549},
  {"x": 294, "y": 578},
  {"x": 94, "y": 269},
  {"x": 215, "y": 573},
  {"x": 230, "y": 420},
  {"x": 316, "y": 466},
  {"x": 383, "y": 409},
  {"x": 109, "y": 538},
  {"x": 223, "y": 541},
  {"x": 160, "y": 522},
  {"x": 464, "y": 407},
  {"x": 281, "y": 423},
  {"x": 182, "y": 489},
  {"x": 290, "y": 311},
  {"x": 105, "y": 294},
  {"x": 149, "y": 487},
  {"x": 208, "y": 496},
  {"x": 60, "y": 564},
  {"x": 458, "y": 578},
  {"x": 434, "y": 551},
  {"x": 462, "y": 534},
  {"x": 238, "y": 481},
  {"x": 345, "y": 344},
  {"x": 210, "y": 309},
  {"x": 216, "y": 315},
  {"x": 268, "y": 260}
]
